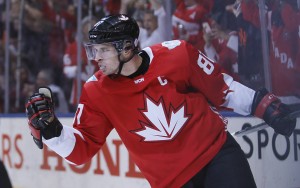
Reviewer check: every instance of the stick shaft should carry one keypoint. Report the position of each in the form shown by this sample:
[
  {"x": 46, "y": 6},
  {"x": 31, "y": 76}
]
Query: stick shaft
[{"x": 263, "y": 125}]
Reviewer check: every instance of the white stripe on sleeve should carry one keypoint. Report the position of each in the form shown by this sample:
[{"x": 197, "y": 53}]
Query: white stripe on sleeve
[
  {"x": 239, "y": 97},
  {"x": 65, "y": 143}
]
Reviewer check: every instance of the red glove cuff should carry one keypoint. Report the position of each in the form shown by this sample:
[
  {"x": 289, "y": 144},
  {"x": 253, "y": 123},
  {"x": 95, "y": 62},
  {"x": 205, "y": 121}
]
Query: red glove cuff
[
  {"x": 264, "y": 103},
  {"x": 36, "y": 133}
]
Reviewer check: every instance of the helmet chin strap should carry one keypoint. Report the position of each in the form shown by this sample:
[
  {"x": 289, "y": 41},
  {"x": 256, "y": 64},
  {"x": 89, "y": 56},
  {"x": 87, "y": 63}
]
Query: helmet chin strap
[
  {"x": 122, "y": 62},
  {"x": 121, "y": 66}
]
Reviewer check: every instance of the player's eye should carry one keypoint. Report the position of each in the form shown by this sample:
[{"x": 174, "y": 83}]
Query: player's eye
[{"x": 104, "y": 49}]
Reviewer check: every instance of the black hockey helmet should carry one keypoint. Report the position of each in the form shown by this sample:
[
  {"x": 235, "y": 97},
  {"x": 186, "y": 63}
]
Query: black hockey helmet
[
  {"x": 119, "y": 30},
  {"x": 115, "y": 28}
]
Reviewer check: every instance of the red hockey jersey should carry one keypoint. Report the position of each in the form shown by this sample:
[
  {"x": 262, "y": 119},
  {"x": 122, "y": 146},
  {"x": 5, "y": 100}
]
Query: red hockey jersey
[
  {"x": 284, "y": 50},
  {"x": 166, "y": 118}
]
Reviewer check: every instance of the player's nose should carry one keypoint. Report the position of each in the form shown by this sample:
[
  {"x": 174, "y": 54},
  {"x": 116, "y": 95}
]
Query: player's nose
[{"x": 98, "y": 56}]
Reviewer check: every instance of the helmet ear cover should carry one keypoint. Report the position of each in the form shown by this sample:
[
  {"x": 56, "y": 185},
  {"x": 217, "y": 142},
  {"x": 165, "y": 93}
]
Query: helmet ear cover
[{"x": 124, "y": 45}]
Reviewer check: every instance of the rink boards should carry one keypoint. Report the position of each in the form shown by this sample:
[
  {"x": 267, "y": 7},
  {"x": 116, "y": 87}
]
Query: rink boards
[{"x": 274, "y": 159}]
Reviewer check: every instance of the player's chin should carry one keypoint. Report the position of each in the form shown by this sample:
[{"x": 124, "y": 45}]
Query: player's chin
[{"x": 106, "y": 72}]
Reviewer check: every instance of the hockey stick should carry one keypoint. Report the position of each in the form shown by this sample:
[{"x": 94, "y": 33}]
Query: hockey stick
[{"x": 263, "y": 125}]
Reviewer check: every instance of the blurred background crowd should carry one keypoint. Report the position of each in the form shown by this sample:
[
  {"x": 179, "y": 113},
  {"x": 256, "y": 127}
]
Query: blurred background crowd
[{"x": 41, "y": 42}]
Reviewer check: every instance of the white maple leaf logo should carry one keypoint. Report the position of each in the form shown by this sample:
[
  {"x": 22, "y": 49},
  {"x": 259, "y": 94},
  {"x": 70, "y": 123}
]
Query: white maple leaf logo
[{"x": 162, "y": 129}]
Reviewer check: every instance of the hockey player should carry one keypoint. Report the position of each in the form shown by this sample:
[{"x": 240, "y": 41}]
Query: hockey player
[{"x": 163, "y": 103}]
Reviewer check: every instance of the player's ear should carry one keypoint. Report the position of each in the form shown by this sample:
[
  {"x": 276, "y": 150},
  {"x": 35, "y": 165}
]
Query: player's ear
[
  {"x": 127, "y": 50},
  {"x": 128, "y": 46}
]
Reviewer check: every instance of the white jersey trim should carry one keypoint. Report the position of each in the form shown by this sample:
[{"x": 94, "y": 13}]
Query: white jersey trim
[
  {"x": 150, "y": 53},
  {"x": 92, "y": 78},
  {"x": 65, "y": 143},
  {"x": 239, "y": 97}
]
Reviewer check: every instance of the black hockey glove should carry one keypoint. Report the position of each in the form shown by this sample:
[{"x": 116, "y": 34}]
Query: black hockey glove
[
  {"x": 41, "y": 118},
  {"x": 275, "y": 113}
]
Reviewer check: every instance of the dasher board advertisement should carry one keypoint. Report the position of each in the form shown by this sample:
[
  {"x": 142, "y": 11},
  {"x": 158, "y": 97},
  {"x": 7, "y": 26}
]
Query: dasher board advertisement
[{"x": 274, "y": 159}]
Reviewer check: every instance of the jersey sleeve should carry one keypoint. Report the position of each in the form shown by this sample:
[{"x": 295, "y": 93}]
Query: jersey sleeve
[
  {"x": 80, "y": 143},
  {"x": 218, "y": 87}
]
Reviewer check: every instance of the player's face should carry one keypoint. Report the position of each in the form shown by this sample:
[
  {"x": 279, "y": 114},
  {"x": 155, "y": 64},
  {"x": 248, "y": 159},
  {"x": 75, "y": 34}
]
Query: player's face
[{"x": 106, "y": 55}]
